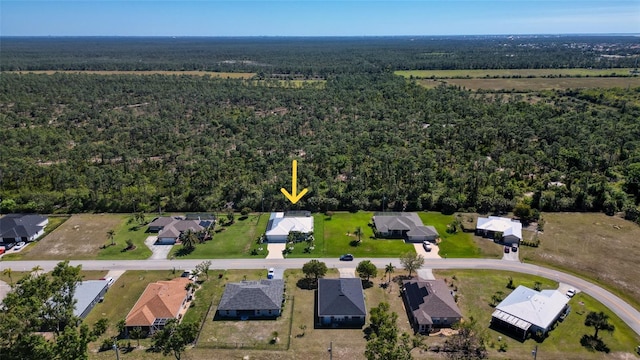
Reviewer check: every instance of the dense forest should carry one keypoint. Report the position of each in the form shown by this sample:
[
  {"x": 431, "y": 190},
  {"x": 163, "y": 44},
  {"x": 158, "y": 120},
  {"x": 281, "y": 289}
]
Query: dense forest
[
  {"x": 311, "y": 57},
  {"x": 122, "y": 143}
]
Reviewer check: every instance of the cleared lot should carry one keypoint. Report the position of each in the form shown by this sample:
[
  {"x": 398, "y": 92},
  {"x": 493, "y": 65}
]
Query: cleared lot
[{"x": 80, "y": 238}]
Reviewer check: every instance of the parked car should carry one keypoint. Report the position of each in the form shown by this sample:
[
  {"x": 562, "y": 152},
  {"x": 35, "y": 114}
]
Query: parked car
[
  {"x": 270, "y": 273},
  {"x": 426, "y": 245},
  {"x": 514, "y": 248},
  {"x": 346, "y": 257},
  {"x": 186, "y": 273},
  {"x": 506, "y": 249},
  {"x": 109, "y": 280},
  {"x": 19, "y": 246},
  {"x": 571, "y": 292}
]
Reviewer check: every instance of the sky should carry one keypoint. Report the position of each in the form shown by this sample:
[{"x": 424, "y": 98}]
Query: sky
[{"x": 316, "y": 18}]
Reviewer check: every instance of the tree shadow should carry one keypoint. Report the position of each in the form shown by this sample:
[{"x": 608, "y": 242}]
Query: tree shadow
[
  {"x": 593, "y": 343},
  {"x": 183, "y": 251},
  {"x": 307, "y": 284},
  {"x": 366, "y": 284},
  {"x": 354, "y": 243}
]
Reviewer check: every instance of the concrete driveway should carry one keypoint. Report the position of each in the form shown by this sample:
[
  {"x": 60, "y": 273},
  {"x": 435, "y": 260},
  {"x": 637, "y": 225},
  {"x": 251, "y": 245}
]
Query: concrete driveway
[
  {"x": 347, "y": 272},
  {"x": 433, "y": 254},
  {"x": 275, "y": 251},
  {"x": 512, "y": 255},
  {"x": 425, "y": 274},
  {"x": 160, "y": 252}
]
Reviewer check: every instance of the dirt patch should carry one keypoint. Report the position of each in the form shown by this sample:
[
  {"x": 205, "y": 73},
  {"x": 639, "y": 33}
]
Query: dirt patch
[
  {"x": 80, "y": 237},
  {"x": 602, "y": 247}
]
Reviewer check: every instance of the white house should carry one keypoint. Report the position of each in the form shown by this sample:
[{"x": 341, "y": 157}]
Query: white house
[
  {"x": 529, "y": 311},
  {"x": 281, "y": 224},
  {"x": 511, "y": 229}
]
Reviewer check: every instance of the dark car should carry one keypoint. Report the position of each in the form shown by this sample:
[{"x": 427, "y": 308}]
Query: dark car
[
  {"x": 514, "y": 248},
  {"x": 506, "y": 249},
  {"x": 346, "y": 257}
]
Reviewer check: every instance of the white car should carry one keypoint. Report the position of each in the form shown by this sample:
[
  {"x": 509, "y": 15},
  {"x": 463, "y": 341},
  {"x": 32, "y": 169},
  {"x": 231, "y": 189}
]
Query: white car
[
  {"x": 270, "y": 273},
  {"x": 571, "y": 292},
  {"x": 427, "y": 246},
  {"x": 19, "y": 246},
  {"x": 109, "y": 280}
]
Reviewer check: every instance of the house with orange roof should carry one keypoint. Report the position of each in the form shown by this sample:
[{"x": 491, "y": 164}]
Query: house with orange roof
[{"x": 160, "y": 302}]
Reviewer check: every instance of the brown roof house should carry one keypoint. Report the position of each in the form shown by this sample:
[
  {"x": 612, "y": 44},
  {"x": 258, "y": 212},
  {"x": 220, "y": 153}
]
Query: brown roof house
[
  {"x": 429, "y": 304},
  {"x": 160, "y": 302}
]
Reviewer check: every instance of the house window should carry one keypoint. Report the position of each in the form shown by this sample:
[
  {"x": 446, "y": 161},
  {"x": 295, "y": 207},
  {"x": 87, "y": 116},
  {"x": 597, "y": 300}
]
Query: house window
[
  {"x": 228, "y": 312},
  {"x": 269, "y": 312}
]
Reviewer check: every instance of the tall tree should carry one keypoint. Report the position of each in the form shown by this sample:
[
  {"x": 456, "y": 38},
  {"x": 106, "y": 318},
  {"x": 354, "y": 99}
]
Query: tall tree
[
  {"x": 189, "y": 239},
  {"x": 389, "y": 269},
  {"x": 174, "y": 338},
  {"x": 599, "y": 321},
  {"x": 412, "y": 262},
  {"x": 382, "y": 338},
  {"x": 111, "y": 236},
  {"x": 315, "y": 269},
  {"x": 203, "y": 268},
  {"x": 358, "y": 233},
  {"x": 366, "y": 269}
]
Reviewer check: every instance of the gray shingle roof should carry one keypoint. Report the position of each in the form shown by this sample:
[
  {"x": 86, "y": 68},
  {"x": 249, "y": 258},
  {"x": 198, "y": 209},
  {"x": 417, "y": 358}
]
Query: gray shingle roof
[
  {"x": 253, "y": 295},
  {"x": 429, "y": 299},
  {"x": 20, "y": 225},
  {"x": 402, "y": 222},
  {"x": 341, "y": 297}
]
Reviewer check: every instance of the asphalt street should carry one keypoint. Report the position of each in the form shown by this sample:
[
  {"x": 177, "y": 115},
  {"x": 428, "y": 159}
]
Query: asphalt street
[{"x": 625, "y": 311}]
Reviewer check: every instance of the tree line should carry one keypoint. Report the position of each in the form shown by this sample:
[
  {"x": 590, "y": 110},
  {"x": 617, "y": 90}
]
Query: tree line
[{"x": 125, "y": 143}]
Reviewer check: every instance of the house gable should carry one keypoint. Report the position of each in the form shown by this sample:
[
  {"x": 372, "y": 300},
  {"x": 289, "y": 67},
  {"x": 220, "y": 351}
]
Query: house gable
[{"x": 430, "y": 303}]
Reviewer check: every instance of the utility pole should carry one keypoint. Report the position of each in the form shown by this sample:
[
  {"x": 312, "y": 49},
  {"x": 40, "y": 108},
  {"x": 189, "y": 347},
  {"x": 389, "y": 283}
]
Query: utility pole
[
  {"x": 534, "y": 352},
  {"x": 330, "y": 350},
  {"x": 115, "y": 347}
]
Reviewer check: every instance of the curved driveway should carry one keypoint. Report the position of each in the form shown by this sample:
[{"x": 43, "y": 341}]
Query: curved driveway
[{"x": 625, "y": 311}]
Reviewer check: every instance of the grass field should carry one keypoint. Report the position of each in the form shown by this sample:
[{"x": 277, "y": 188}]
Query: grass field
[
  {"x": 476, "y": 288},
  {"x": 227, "y": 75},
  {"x": 574, "y": 72},
  {"x": 537, "y": 84},
  {"x": 458, "y": 245},
  {"x": 233, "y": 241},
  {"x": 592, "y": 245}
]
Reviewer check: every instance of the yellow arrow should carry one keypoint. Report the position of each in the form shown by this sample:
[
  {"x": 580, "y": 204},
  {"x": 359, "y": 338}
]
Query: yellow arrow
[{"x": 294, "y": 197}]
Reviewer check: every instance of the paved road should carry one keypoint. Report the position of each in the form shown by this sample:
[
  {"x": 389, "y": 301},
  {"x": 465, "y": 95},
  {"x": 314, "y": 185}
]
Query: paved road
[{"x": 625, "y": 311}]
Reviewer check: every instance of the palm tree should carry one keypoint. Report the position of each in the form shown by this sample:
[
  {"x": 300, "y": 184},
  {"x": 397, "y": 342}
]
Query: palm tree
[
  {"x": 8, "y": 272},
  {"x": 389, "y": 269},
  {"x": 358, "y": 233},
  {"x": 36, "y": 270},
  {"x": 111, "y": 236},
  {"x": 189, "y": 239},
  {"x": 136, "y": 333}
]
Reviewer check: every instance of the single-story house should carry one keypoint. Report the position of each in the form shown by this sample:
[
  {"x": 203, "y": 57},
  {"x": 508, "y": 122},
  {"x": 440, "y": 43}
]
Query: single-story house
[
  {"x": 511, "y": 229},
  {"x": 430, "y": 304},
  {"x": 281, "y": 224},
  {"x": 403, "y": 225},
  {"x": 527, "y": 311},
  {"x": 21, "y": 227},
  {"x": 169, "y": 229},
  {"x": 160, "y": 302},
  {"x": 341, "y": 303},
  {"x": 88, "y": 293},
  {"x": 252, "y": 299}
]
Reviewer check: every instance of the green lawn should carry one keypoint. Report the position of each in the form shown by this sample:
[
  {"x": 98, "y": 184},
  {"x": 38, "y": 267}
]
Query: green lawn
[
  {"x": 335, "y": 236},
  {"x": 475, "y": 288},
  {"x": 128, "y": 229},
  {"x": 458, "y": 245},
  {"x": 233, "y": 241}
]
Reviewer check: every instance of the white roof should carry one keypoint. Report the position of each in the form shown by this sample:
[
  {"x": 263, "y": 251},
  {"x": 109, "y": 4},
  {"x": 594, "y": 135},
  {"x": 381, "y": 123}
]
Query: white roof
[
  {"x": 86, "y": 292},
  {"x": 505, "y": 225},
  {"x": 530, "y": 306},
  {"x": 281, "y": 225}
]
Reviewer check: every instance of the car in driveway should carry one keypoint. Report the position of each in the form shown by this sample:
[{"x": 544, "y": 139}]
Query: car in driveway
[
  {"x": 514, "y": 248},
  {"x": 426, "y": 245},
  {"x": 346, "y": 257},
  {"x": 19, "y": 246},
  {"x": 506, "y": 249},
  {"x": 270, "y": 273},
  {"x": 109, "y": 280},
  {"x": 571, "y": 292}
]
